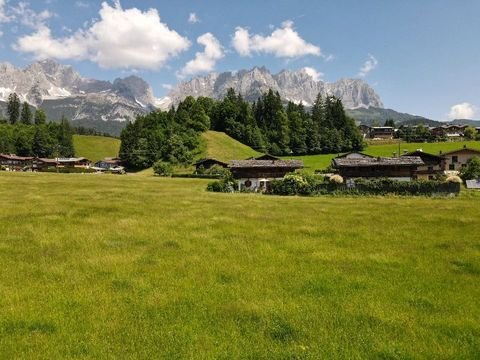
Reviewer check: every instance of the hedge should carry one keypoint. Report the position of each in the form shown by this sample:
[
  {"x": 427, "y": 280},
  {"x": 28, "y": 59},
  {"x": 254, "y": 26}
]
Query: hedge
[{"x": 363, "y": 187}]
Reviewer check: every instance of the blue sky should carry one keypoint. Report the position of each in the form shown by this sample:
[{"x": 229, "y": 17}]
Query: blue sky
[{"x": 422, "y": 57}]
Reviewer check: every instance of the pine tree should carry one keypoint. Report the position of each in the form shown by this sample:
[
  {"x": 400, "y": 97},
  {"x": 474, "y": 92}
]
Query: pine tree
[
  {"x": 65, "y": 138},
  {"x": 40, "y": 117},
  {"x": 13, "y": 108},
  {"x": 26, "y": 114}
]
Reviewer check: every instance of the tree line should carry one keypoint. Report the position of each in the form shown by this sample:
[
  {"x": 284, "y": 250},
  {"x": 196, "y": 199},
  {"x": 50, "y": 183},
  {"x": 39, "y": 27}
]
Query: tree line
[
  {"x": 267, "y": 125},
  {"x": 29, "y": 133}
]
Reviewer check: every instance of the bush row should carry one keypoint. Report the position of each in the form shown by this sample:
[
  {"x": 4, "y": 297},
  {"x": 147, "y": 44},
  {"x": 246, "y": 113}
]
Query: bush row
[{"x": 296, "y": 184}]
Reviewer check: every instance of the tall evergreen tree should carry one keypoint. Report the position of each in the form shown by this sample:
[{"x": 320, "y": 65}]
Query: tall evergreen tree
[
  {"x": 26, "y": 114},
  {"x": 13, "y": 108},
  {"x": 40, "y": 117}
]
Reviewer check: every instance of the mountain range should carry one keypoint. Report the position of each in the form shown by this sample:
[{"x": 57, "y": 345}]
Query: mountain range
[{"x": 106, "y": 106}]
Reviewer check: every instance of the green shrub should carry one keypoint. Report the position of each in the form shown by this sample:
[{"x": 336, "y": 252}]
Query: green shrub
[
  {"x": 162, "y": 168},
  {"x": 221, "y": 186}
]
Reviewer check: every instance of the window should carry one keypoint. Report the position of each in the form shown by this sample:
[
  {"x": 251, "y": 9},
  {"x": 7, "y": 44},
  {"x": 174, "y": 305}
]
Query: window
[
  {"x": 430, "y": 168},
  {"x": 451, "y": 167},
  {"x": 431, "y": 177},
  {"x": 454, "y": 159}
]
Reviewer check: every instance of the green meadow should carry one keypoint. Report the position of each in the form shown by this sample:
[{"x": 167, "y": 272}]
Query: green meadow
[
  {"x": 132, "y": 267},
  {"x": 95, "y": 148},
  {"x": 317, "y": 162}
]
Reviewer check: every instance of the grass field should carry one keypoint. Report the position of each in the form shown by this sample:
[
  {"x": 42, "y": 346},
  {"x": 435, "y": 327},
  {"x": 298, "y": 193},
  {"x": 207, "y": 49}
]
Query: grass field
[
  {"x": 315, "y": 162},
  {"x": 95, "y": 147},
  {"x": 96, "y": 267},
  {"x": 224, "y": 148}
]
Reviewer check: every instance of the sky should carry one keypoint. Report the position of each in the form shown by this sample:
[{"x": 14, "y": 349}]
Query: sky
[{"x": 421, "y": 57}]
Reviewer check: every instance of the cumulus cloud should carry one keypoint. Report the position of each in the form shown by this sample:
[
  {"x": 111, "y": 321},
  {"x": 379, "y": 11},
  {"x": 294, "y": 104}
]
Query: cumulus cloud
[
  {"x": 204, "y": 61},
  {"x": 284, "y": 42},
  {"x": 462, "y": 111},
  {"x": 193, "y": 18},
  {"x": 369, "y": 65},
  {"x": 120, "y": 38},
  {"x": 313, "y": 73}
]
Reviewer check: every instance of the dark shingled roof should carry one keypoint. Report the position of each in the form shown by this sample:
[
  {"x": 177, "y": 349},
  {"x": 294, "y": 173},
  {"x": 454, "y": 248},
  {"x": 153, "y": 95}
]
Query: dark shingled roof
[
  {"x": 292, "y": 164},
  {"x": 201, "y": 161},
  {"x": 380, "y": 161}
]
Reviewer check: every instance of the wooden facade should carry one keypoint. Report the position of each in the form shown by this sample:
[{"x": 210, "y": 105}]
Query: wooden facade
[
  {"x": 403, "y": 168},
  {"x": 433, "y": 165},
  {"x": 256, "y": 174},
  {"x": 13, "y": 162}
]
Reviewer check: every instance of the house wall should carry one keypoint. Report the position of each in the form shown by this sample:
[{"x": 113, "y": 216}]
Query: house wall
[{"x": 462, "y": 157}]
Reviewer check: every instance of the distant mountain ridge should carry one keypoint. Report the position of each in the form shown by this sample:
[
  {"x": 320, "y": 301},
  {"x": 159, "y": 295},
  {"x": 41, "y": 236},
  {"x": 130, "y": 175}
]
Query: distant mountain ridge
[
  {"x": 293, "y": 85},
  {"x": 60, "y": 90}
]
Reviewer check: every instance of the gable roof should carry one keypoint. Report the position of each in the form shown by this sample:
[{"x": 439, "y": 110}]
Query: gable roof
[
  {"x": 422, "y": 154},
  {"x": 380, "y": 161},
  {"x": 354, "y": 155},
  {"x": 203, "y": 161},
  {"x": 289, "y": 164},
  {"x": 264, "y": 157},
  {"x": 15, "y": 157},
  {"x": 462, "y": 149}
]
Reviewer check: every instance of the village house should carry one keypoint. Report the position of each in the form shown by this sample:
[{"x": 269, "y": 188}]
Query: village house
[
  {"x": 364, "y": 130},
  {"x": 205, "y": 164},
  {"x": 41, "y": 164},
  {"x": 256, "y": 174},
  {"x": 264, "y": 157},
  {"x": 382, "y": 132},
  {"x": 110, "y": 164},
  {"x": 433, "y": 165},
  {"x": 451, "y": 131},
  {"x": 454, "y": 161},
  {"x": 80, "y": 162},
  {"x": 13, "y": 162},
  {"x": 363, "y": 166}
]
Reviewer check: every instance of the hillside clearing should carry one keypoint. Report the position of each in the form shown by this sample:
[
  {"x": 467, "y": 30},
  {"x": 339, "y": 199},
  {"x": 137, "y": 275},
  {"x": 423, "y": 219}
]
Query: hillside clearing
[
  {"x": 222, "y": 147},
  {"x": 143, "y": 267},
  {"x": 95, "y": 148}
]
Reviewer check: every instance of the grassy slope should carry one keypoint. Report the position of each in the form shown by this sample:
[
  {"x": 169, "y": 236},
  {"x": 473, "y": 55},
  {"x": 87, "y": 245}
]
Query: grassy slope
[
  {"x": 222, "y": 147},
  {"x": 132, "y": 267},
  {"x": 95, "y": 147},
  {"x": 313, "y": 162}
]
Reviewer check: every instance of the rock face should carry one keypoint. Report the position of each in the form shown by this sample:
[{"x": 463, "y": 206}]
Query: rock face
[
  {"x": 60, "y": 90},
  {"x": 292, "y": 85}
]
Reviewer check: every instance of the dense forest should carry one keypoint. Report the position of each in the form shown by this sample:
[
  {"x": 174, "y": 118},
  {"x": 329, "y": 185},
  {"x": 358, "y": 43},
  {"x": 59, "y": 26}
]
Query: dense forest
[
  {"x": 267, "y": 125},
  {"x": 28, "y": 133}
]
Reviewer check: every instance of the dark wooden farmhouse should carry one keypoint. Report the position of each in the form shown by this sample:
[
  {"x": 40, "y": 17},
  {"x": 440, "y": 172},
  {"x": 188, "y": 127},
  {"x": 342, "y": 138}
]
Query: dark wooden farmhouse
[
  {"x": 401, "y": 168},
  {"x": 433, "y": 165},
  {"x": 256, "y": 174},
  {"x": 264, "y": 157},
  {"x": 13, "y": 162},
  {"x": 41, "y": 164},
  {"x": 205, "y": 164}
]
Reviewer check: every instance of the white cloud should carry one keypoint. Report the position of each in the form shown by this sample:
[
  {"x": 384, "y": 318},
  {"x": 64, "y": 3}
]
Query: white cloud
[
  {"x": 204, "y": 61},
  {"x": 29, "y": 17},
  {"x": 1, "y": 34},
  {"x": 82, "y": 4},
  {"x": 462, "y": 111},
  {"x": 314, "y": 74},
  {"x": 167, "y": 86},
  {"x": 283, "y": 42},
  {"x": 369, "y": 65},
  {"x": 193, "y": 18},
  {"x": 3, "y": 15},
  {"x": 121, "y": 38}
]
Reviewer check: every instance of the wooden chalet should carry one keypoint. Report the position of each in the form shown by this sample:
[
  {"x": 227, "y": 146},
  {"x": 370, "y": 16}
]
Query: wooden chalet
[
  {"x": 448, "y": 130},
  {"x": 41, "y": 164},
  {"x": 400, "y": 168},
  {"x": 80, "y": 162},
  {"x": 205, "y": 164},
  {"x": 108, "y": 163},
  {"x": 256, "y": 174},
  {"x": 382, "y": 132},
  {"x": 13, "y": 162},
  {"x": 433, "y": 165}
]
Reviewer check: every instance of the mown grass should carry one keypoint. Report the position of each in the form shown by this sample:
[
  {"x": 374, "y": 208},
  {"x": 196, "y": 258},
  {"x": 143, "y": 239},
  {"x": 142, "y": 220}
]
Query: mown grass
[
  {"x": 95, "y": 148},
  {"x": 97, "y": 267},
  {"x": 224, "y": 148},
  {"x": 317, "y": 162}
]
